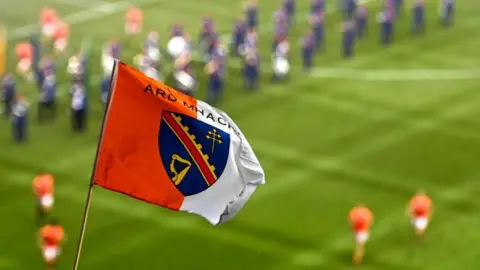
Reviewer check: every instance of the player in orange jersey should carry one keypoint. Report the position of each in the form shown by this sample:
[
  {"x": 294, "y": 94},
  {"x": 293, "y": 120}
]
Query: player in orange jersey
[
  {"x": 361, "y": 218},
  {"x": 43, "y": 189},
  {"x": 419, "y": 210},
  {"x": 133, "y": 21},
  {"x": 24, "y": 52},
  {"x": 60, "y": 38},
  {"x": 50, "y": 239},
  {"x": 48, "y": 21}
]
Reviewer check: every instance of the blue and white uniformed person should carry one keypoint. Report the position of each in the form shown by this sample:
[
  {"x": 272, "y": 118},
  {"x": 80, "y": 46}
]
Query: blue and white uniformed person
[
  {"x": 289, "y": 7},
  {"x": 350, "y": 9},
  {"x": 238, "y": 36},
  {"x": 47, "y": 103},
  {"x": 447, "y": 12},
  {"x": 19, "y": 119},
  {"x": 280, "y": 60},
  {"x": 151, "y": 48},
  {"x": 79, "y": 106},
  {"x": 251, "y": 13},
  {"x": 386, "y": 20},
  {"x": 418, "y": 17},
  {"x": 318, "y": 27},
  {"x": 280, "y": 25},
  {"x": 215, "y": 70},
  {"x": 362, "y": 21},
  {"x": 349, "y": 33},
  {"x": 183, "y": 74},
  {"x": 308, "y": 50},
  {"x": 9, "y": 92},
  {"x": 251, "y": 65},
  {"x": 104, "y": 88}
]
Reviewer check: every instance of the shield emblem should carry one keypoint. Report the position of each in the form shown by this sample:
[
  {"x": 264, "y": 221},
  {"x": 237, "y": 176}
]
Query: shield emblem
[{"x": 194, "y": 153}]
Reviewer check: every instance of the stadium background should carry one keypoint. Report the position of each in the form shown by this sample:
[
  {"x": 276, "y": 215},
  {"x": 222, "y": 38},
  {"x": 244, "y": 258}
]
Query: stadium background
[{"x": 371, "y": 129}]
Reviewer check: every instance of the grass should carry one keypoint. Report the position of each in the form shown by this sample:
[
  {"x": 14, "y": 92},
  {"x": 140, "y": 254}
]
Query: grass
[{"x": 371, "y": 129}]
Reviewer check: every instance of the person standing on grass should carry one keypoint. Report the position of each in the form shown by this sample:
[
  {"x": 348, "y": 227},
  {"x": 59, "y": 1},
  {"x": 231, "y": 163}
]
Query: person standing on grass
[
  {"x": 47, "y": 103},
  {"x": 447, "y": 12},
  {"x": 8, "y": 93},
  {"x": 350, "y": 9},
  {"x": 362, "y": 21},
  {"x": 280, "y": 24},
  {"x": 50, "y": 239},
  {"x": 386, "y": 20},
  {"x": 105, "y": 88},
  {"x": 238, "y": 36},
  {"x": 289, "y": 7},
  {"x": 216, "y": 75},
  {"x": 317, "y": 6},
  {"x": 418, "y": 17},
  {"x": 251, "y": 13},
  {"x": 251, "y": 65},
  {"x": 19, "y": 119},
  {"x": 79, "y": 107},
  {"x": 349, "y": 33},
  {"x": 361, "y": 219},
  {"x": 317, "y": 21},
  {"x": 308, "y": 50},
  {"x": 398, "y": 4}
]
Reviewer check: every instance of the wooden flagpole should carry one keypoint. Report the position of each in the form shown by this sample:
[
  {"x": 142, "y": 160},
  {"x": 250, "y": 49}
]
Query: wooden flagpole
[{"x": 91, "y": 185}]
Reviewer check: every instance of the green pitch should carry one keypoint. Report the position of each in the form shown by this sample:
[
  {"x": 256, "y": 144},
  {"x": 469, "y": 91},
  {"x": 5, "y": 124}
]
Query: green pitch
[{"x": 371, "y": 129}]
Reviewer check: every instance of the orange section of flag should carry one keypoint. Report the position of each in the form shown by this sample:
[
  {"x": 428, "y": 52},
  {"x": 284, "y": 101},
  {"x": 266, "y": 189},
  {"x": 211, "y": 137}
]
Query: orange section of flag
[{"x": 128, "y": 159}]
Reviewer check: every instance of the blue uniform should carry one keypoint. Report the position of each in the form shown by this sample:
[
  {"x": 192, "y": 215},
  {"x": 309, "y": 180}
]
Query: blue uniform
[
  {"x": 318, "y": 6},
  {"x": 251, "y": 14},
  {"x": 362, "y": 21},
  {"x": 280, "y": 26},
  {"x": 386, "y": 27},
  {"x": 216, "y": 77},
  {"x": 79, "y": 107},
  {"x": 238, "y": 36},
  {"x": 418, "y": 17},
  {"x": 349, "y": 33},
  {"x": 207, "y": 29},
  {"x": 252, "y": 62},
  {"x": 308, "y": 50},
  {"x": 37, "y": 53},
  {"x": 289, "y": 7},
  {"x": 318, "y": 27},
  {"x": 105, "y": 88},
  {"x": 350, "y": 9},
  {"x": 447, "y": 12},
  {"x": 251, "y": 41},
  {"x": 19, "y": 120},
  {"x": 47, "y": 106},
  {"x": 398, "y": 7},
  {"x": 8, "y": 93}
]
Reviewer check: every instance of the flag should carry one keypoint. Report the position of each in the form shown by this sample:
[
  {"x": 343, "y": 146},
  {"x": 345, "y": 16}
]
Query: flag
[
  {"x": 3, "y": 50},
  {"x": 166, "y": 148}
]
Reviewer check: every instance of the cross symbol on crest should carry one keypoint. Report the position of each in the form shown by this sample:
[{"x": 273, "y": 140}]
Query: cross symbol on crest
[{"x": 214, "y": 137}]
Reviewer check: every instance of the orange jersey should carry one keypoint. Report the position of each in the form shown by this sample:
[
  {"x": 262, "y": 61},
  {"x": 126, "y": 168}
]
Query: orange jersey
[
  {"x": 52, "y": 235},
  {"x": 420, "y": 205},
  {"x": 43, "y": 184},
  {"x": 24, "y": 50},
  {"x": 360, "y": 218},
  {"x": 48, "y": 15},
  {"x": 62, "y": 31},
  {"x": 134, "y": 15}
]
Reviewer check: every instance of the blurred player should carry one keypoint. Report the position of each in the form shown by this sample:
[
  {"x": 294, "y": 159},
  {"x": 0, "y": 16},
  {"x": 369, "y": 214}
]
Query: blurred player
[
  {"x": 47, "y": 103},
  {"x": 318, "y": 26},
  {"x": 280, "y": 60},
  {"x": 215, "y": 69},
  {"x": 386, "y": 20},
  {"x": 308, "y": 50},
  {"x": 361, "y": 218},
  {"x": 252, "y": 62},
  {"x": 24, "y": 53},
  {"x": 362, "y": 20},
  {"x": 133, "y": 21},
  {"x": 251, "y": 13},
  {"x": 350, "y": 9},
  {"x": 238, "y": 36},
  {"x": 19, "y": 119},
  {"x": 62, "y": 32},
  {"x": 111, "y": 51},
  {"x": 212, "y": 42},
  {"x": 50, "y": 239},
  {"x": 280, "y": 25},
  {"x": 79, "y": 105},
  {"x": 318, "y": 6},
  {"x": 8, "y": 93},
  {"x": 289, "y": 7},
  {"x": 183, "y": 73},
  {"x": 418, "y": 17},
  {"x": 419, "y": 210},
  {"x": 206, "y": 30},
  {"x": 447, "y": 12},
  {"x": 43, "y": 189},
  {"x": 349, "y": 33},
  {"x": 152, "y": 47},
  {"x": 48, "y": 21},
  {"x": 398, "y": 7}
]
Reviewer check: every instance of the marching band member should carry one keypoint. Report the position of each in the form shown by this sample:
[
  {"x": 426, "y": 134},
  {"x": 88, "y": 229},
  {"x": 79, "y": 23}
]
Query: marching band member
[
  {"x": 19, "y": 119},
  {"x": 238, "y": 36},
  {"x": 215, "y": 69},
  {"x": 60, "y": 37},
  {"x": 281, "y": 27},
  {"x": 362, "y": 20},
  {"x": 9, "y": 92},
  {"x": 280, "y": 60},
  {"x": 349, "y": 33},
  {"x": 183, "y": 74},
  {"x": 251, "y": 13},
  {"x": 79, "y": 106},
  {"x": 133, "y": 21},
  {"x": 152, "y": 48},
  {"x": 24, "y": 53},
  {"x": 418, "y": 17},
  {"x": 447, "y": 12},
  {"x": 308, "y": 50},
  {"x": 44, "y": 192},
  {"x": 317, "y": 22},
  {"x": 50, "y": 239},
  {"x": 48, "y": 21},
  {"x": 252, "y": 62}
]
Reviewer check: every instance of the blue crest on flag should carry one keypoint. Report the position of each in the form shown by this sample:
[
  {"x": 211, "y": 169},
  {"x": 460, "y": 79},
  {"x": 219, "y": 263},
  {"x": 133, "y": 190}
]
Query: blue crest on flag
[{"x": 194, "y": 153}]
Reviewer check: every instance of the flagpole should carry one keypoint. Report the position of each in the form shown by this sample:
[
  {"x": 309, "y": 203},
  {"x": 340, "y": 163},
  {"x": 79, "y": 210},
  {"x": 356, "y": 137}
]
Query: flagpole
[{"x": 92, "y": 184}]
